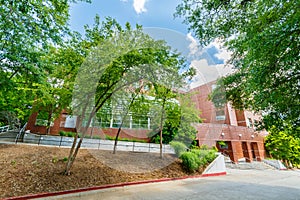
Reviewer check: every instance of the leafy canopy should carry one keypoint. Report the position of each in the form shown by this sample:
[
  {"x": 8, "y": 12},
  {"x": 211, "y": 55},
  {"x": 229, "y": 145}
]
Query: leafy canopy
[
  {"x": 263, "y": 36},
  {"x": 28, "y": 28}
]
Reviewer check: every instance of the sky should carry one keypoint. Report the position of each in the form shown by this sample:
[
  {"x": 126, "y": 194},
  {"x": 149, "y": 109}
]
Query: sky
[{"x": 157, "y": 19}]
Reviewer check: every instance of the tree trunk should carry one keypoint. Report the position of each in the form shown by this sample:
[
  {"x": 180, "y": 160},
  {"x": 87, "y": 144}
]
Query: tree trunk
[
  {"x": 75, "y": 148},
  {"x": 119, "y": 130},
  {"x": 161, "y": 129},
  {"x": 49, "y": 122},
  {"x": 116, "y": 139},
  {"x": 71, "y": 161}
]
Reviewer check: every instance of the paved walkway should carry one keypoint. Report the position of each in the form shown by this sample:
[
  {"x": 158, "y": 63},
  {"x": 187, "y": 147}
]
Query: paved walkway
[{"x": 238, "y": 184}]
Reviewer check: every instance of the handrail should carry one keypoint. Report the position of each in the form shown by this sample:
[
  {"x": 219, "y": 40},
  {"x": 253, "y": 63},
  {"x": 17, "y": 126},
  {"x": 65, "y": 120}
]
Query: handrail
[{"x": 22, "y": 130}]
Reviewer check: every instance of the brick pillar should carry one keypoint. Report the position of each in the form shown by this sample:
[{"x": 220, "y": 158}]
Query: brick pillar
[
  {"x": 54, "y": 130},
  {"x": 260, "y": 152},
  {"x": 247, "y": 152},
  {"x": 236, "y": 147}
]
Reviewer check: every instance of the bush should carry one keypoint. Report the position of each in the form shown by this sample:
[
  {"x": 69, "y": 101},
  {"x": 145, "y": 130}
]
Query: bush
[
  {"x": 70, "y": 134},
  {"x": 190, "y": 161},
  {"x": 67, "y": 134},
  {"x": 179, "y": 147},
  {"x": 205, "y": 156},
  {"x": 62, "y": 133}
]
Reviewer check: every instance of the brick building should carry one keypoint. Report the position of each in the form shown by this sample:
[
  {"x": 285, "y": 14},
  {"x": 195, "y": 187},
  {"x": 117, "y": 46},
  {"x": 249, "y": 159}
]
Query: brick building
[{"x": 231, "y": 131}]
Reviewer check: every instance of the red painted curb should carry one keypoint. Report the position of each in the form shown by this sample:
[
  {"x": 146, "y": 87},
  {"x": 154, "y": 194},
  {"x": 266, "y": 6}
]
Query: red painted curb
[
  {"x": 49, "y": 194},
  {"x": 214, "y": 174}
]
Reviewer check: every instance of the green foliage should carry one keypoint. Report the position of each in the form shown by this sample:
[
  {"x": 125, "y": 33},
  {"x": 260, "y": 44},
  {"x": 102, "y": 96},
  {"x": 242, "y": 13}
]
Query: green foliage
[
  {"x": 180, "y": 115},
  {"x": 28, "y": 28},
  {"x": 190, "y": 161},
  {"x": 263, "y": 37},
  {"x": 124, "y": 139},
  {"x": 282, "y": 145},
  {"x": 179, "y": 147},
  {"x": 67, "y": 134},
  {"x": 197, "y": 158},
  {"x": 205, "y": 156}
]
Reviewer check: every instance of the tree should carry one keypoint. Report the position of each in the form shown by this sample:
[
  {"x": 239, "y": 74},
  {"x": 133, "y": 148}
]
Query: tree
[
  {"x": 163, "y": 95},
  {"x": 28, "y": 28},
  {"x": 263, "y": 37},
  {"x": 120, "y": 60},
  {"x": 128, "y": 104},
  {"x": 189, "y": 115},
  {"x": 284, "y": 146},
  {"x": 179, "y": 116}
]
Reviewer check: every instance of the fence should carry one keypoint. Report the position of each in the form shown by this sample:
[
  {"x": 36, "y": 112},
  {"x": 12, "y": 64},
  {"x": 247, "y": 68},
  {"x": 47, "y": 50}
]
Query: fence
[
  {"x": 62, "y": 141},
  {"x": 4, "y": 129}
]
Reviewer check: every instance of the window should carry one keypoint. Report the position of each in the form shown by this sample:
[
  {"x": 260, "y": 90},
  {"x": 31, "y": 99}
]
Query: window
[
  {"x": 220, "y": 115},
  {"x": 250, "y": 124}
]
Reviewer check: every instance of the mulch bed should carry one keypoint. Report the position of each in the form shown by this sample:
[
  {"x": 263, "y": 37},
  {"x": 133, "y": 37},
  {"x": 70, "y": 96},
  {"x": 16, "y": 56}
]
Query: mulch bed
[{"x": 26, "y": 169}]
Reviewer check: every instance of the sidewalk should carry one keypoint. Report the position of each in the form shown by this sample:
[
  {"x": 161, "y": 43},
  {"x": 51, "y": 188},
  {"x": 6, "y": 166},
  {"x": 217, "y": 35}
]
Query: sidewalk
[{"x": 238, "y": 184}]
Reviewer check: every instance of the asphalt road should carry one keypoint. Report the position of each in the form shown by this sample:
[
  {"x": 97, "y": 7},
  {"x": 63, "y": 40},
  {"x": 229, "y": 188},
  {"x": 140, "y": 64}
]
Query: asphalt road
[{"x": 237, "y": 184}]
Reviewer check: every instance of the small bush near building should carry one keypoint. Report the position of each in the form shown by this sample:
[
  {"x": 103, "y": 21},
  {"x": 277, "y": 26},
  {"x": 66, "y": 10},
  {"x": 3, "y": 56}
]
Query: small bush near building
[
  {"x": 190, "y": 161},
  {"x": 197, "y": 158},
  {"x": 178, "y": 147},
  {"x": 67, "y": 134}
]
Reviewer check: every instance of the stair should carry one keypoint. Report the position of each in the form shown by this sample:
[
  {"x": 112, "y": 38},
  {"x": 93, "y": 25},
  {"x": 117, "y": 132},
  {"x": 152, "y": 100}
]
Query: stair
[{"x": 246, "y": 165}]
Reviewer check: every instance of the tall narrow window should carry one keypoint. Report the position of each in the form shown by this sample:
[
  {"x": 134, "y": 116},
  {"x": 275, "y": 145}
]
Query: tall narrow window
[{"x": 220, "y": 115}]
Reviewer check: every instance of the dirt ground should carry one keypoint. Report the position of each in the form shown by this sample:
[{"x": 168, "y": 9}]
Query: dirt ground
[{"x": 26, "y": 169}]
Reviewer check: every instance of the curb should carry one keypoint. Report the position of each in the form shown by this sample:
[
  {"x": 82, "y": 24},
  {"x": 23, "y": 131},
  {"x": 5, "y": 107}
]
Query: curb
[{"x": 51, "y": 194}]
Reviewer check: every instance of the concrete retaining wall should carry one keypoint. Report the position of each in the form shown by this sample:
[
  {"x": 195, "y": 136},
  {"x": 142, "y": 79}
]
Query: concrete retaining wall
[{"x": 217, "y": 167}]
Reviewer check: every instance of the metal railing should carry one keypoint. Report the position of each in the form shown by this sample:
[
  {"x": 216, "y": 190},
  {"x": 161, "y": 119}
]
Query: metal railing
[
  {"x": 103, "y": 144},
  {"x": 4, "y": 129},
  {"x": 21, "y": 133}
]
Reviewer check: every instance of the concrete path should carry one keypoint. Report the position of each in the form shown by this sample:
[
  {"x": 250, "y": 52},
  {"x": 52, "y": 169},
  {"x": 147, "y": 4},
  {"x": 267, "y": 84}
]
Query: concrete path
[{"x": 238, "y": 184}]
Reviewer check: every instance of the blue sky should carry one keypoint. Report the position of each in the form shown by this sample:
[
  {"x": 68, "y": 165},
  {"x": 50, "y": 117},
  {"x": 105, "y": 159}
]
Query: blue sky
[
  {"x": 149, "y": 13},
  {"x": 156, "y": 17}
]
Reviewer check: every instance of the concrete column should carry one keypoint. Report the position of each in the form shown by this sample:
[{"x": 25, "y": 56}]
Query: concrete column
[
  {"x": 130, "y": 122},
  {"x": 111, "y": 121},
  {"x": 149, "y": 125},
  {"x": 232, "y": 115}
]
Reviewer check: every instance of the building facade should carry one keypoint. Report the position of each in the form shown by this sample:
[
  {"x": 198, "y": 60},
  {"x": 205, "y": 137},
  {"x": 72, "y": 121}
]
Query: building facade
[{"x": 231, "y": 131}]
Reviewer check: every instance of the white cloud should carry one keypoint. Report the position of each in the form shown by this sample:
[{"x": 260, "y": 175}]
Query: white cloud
[
  {"x": 205, "y": 70},
  {"x": 193, "y": 46},
  {"x": 206, "y": 73},
  {"x": 139, "y": 6},
  {"x": 223, "y": 54}
]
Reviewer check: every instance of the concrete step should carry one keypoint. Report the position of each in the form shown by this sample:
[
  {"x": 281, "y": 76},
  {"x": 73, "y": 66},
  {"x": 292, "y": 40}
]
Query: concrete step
[{"x": 253, "y": 165}]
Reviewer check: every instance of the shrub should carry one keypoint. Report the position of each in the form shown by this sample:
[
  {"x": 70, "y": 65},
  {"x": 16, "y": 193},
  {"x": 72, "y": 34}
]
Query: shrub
[
  {"x": 190, "y": 161},
  {"x": 62, "y": 133},
  {"x": 205, "y": 156},
  {"x": 210, "y": 156},
  {"x": 70, "y": 134},
  {"x": 179, "y": 147}
]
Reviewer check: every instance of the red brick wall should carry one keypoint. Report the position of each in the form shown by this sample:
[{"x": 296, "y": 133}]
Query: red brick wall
[
  {"x": 139, "y": 134},
  {"x": 209, "y": 134}
]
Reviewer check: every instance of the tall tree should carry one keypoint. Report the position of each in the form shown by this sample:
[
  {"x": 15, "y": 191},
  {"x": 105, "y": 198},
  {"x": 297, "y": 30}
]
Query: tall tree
[
  {"x": 27, "y": 30},
  {"x": 120, "y": 60},
  {"x": 263, "y": 36},
  {"x": 284, "y": 145}
]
